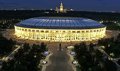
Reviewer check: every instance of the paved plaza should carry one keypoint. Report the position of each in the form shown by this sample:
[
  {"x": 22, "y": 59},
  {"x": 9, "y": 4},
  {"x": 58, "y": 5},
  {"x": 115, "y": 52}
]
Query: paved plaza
[{"x": 59, "y": 60}]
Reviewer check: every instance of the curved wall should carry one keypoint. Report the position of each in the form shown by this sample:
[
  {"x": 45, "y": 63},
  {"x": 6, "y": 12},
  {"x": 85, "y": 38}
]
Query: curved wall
[{"x": 60, "y": 35}]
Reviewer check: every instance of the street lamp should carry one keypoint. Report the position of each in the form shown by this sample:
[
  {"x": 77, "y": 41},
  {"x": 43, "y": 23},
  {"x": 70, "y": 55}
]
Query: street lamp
[
  {"x": 46, "y": 52},
  {"x": 103, "y": 47},
  {"x": 112, "y": 54},
  {"x": 75, "y": 63},
  {"x": 72, "y": 53},
  {"x": 43, "y": 62}
]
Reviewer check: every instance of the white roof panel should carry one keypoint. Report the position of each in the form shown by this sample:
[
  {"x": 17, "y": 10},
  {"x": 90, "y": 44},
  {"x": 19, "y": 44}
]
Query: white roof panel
[{"x": 60, "y": 22}]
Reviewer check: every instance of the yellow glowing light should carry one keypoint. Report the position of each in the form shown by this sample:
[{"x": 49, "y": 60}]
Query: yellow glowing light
[
  {"x": 60, "y": 35},
  {"x": 61, "y": 9}
]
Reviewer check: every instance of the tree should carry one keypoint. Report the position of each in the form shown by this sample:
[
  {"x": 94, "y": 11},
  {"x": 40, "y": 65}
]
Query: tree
[
  {"x": 20, "y": 67},
  {"x": 76, "y": 48},
  {"x": 100, "y": 41},
  {"x": 83, "y": 62},
  {"x": 43, "y": 47},
  {"x": 99, "y": 55},
  {"x": 16, "y": 55},
  {"x": 34, "y": 47},
  {"x": 96, "y": 68},
  {"x": 110, "y": 66},
  {"x": 107, "y": 49},
  {"x": 26, "y": 47},
  {"x": 91, "y": 47},
  {"x": 118, "y": 62},
  {"x": 114, "y": 48},
  {"x": 20, "y": 53},
  {"x": 4, "y": 66},
  {"x": 118, "y": 37},
  {"x": 112, "y": 39}
]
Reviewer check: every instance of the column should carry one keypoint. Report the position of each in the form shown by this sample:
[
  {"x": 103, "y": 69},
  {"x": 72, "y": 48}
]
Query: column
[
  {"x": 75, "y": 36},
  {"x": 24, "y": 33},
  {"x": 70, "y": 37},
  {"x": 92, "y": 34},
  {"x": 45, "y": 36},
  {"x": 40, "y": 37},
  {"x": 20, "y": 32},
  {"x": 27, "y": 33},
  {"x": 88, "y": 33},
  {"x": 85, "y": 35},
  {"x": 99, "y": 34},
  {"x": 35, "y": 35},
  {"x": 96, "y": 34},
  {"x": 31, "y": 34}
]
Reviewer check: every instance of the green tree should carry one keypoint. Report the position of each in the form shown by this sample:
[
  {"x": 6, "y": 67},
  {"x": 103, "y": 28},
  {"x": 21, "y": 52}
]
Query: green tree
[
  {"x": 112, "y": 39},
  {"x": 26, "y": 47},
  {"x": 91, "y": 47},
  {"x": 19, "y": 67},
  {"x": 43, "y": 47},
  {"x": 99, "y": 55},
  {"x": 110, "y": 66},
  {"x": 118, "y": 37},
  {"x": 4, "y": 66}
]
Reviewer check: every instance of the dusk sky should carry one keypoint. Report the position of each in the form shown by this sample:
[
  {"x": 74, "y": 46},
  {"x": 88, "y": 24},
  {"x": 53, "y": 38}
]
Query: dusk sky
[{"x": 79, "y": 5}]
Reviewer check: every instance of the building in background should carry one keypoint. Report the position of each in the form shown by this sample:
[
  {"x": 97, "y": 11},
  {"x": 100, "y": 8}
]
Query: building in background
[
  {"x": 61, "y": 9},
  {"x": 71, "y": 9}
]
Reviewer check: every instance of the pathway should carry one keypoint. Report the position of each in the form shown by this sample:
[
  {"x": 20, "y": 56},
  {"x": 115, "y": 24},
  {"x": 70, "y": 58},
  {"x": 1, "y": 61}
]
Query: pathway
[
  {"x": 59, "y": 60},
  {"x": 112, "y": 59},
  {"x": 10, "y": 56}
]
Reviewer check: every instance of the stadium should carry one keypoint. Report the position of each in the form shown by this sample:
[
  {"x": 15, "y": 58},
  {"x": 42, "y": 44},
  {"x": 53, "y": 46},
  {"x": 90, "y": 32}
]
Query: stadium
[{"x": 60, "y": 29}]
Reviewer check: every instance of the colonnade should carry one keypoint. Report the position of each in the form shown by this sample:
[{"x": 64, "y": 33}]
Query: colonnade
[{"x": 62, "y": 35}]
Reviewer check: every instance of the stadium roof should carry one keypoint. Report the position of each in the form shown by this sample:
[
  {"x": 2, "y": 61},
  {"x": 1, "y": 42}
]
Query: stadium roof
[{"x": 60, "y": 23}]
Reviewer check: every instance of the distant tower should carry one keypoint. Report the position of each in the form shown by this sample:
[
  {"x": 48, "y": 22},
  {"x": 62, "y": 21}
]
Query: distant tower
[{"x": 61, "y": 7}]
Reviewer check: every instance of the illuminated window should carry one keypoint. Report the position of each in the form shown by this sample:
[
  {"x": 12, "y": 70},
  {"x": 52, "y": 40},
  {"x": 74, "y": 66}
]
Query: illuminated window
[
  {"x": 46, "y": 31},
  {"x": 33, "y": 30},
  {"x": 73, "y": 31},
  {"x": 37, "y": 30},
  {"x": 42, "y": 31}
]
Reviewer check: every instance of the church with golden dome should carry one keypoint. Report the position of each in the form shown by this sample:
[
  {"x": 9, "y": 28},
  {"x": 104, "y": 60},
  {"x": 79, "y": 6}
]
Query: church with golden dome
[{"x": 61, "y": 9}]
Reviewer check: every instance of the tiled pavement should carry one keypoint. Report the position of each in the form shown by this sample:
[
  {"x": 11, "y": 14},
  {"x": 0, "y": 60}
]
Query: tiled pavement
[{"x": 59, "y": 60}]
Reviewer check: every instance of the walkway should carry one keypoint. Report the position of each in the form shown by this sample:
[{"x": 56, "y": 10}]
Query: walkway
[
  {"x": 59, "y": 61},
  {"x": 10, "y": 56},
  {"x": 109, "y": 57}
]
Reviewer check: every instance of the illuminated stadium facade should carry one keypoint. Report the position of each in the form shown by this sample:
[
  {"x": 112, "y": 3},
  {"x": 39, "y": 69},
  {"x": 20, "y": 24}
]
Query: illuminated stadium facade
[{"x": 60, "y": 29}]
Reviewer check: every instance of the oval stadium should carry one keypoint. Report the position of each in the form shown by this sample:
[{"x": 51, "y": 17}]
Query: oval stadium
[{"x": 60, "y": 29}]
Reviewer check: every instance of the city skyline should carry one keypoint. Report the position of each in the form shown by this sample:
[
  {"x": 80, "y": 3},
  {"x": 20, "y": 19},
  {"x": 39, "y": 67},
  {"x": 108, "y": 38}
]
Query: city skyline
[{"x": 76, "y": 5}]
